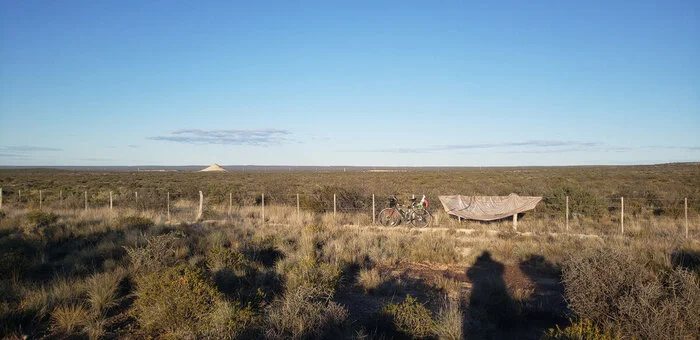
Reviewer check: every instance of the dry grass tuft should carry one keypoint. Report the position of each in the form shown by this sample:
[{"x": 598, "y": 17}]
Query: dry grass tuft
[{"x": 69, "y": 319}]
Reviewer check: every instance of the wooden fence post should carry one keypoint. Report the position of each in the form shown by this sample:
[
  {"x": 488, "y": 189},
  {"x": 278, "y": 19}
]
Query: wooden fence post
[
  {"x": 86, "y": 206},
  {"x": 40, "y": 199},
  {"x": 622, "y": 215},
  {"x": 60, "y": 195},
  {"x": 263, "y": 209},
  {"x": 230, "y": 203},
  {"x": 567, "y": 213},
  {"x": 20, "y": 196},
  {"x": 686, "y": 216},
  {"x": 168, "y": 199},
  {"x": 136, "y": 193},
  {"x": 333, "y": 206},
  {"x": 110, "y": 200},
  {"x": 201, "y": 205},
  {"x": 374, "y": 211},
  {"x": 298, "y": 210},
  {"x": 515, "y": 221}
]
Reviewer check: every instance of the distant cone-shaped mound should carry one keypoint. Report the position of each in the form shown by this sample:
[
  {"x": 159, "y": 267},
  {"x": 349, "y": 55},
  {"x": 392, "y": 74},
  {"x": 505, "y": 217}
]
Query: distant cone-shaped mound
[{"x": 214, "y": 167}]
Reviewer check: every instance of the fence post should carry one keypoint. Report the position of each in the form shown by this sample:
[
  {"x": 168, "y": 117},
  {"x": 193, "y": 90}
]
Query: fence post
[
  {"x": 686, "y": 216},
  {"x": 168, "y": 206},
  {"x": 230, "y": 203},
  {"x": 515, "y": 221},
  {"x": 20, "y": 196},
  {"x": 60, "y": 195},
  {"x": 86, "y": 200},
  {"x": 622, "y": 215},
  {"x": 136, "y": 193},
  {"x": 40, "y": 197},
  {"x": 110, "y": 200},
  {"x": 201, "y": 203},
  {"x": 298, "y": 210},
  {"x": 567, "y": 213},
  {"x": 374, "y": 211},
  {"x": 333, "y": 206},
  {"x": 263, "y": 209}
]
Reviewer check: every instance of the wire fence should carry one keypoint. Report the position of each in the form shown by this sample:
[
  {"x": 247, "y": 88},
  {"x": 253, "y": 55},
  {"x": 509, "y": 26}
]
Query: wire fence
[{"x": 563, "y": 209}]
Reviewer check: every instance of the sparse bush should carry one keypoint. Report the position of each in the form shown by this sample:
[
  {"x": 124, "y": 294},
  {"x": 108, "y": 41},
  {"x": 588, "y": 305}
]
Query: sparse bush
[
  {"x": 613, "y": 290},
  {"x": 304, "y": 312},
  {"x": 325, "y": 277},
  {"x": 220, "y": 257},
  {"x": 411, "y": 318},
  {"x": 41, "y": 219},
  {"x": 231, "y": 321},
  {"x": 581, "y": 329},
  {"x": 157, "y": 254},
  {"x": 177, "y": 300}
]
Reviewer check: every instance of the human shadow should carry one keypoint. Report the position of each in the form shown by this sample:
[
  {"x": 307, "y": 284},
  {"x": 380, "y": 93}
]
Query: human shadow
[
  {"x": 492, "y": 312},
  {"x": 516, "y": 302}
]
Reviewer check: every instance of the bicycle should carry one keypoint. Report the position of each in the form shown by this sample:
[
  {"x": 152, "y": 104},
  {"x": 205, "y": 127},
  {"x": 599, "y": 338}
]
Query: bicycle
[{"x": 415, "y": 214}]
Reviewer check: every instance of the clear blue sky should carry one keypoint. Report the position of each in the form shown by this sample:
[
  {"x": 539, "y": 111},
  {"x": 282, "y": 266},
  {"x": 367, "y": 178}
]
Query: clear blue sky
[{"x": 399, "y": 83}]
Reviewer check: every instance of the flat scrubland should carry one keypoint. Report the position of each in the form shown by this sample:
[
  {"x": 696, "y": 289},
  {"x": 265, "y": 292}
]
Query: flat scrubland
[{"x": 132, "y": 272}]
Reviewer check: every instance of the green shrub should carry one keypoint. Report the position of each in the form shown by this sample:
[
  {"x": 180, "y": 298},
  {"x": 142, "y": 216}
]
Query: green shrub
[
  {"x": 411, "y": 318},
  {"x": 220, "y": 257},
  {"x": 178, "y": 300},
  {"x": 229, "y": 320},
  {"x": 309, "y": 273},
  {"x": 582, "y": 329}
]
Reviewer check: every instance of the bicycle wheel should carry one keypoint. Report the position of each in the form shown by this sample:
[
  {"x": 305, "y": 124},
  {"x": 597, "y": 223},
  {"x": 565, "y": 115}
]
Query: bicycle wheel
[
  {"x": 421, "y": 218},
  {"x": 389, "y": 217}
]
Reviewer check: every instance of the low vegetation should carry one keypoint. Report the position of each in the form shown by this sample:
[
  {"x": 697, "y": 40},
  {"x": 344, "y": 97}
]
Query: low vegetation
[{"x": 131, "y": 273}]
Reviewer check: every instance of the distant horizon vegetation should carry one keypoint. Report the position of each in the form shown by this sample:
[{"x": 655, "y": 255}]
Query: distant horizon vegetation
[{"x": 259, "y": 167}]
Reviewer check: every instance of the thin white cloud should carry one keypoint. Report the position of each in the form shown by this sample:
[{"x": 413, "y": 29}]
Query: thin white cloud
[
  {"x": 536, "y": 144},
  {"x": 261, "y": 137}
]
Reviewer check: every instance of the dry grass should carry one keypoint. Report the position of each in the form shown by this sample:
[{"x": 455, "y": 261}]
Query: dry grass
[
  {"x": 69, "y": 319},
  {"x": 317, "y": 274}
]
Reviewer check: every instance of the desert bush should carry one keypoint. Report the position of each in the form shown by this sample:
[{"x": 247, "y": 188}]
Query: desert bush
[
  {"x": 158, "y": 253},
  {"x": 321, "y": 199},
  {"x": 613, "y": 289},
  {"x": 220, "y": 257},
  {"x": 581, "y": 329},
  {"x": 581, "y": 201},
  {"x": 41, "y": 219},
  {"x": 305, "y": 311},
  {"x": 411, "y": 318},
  {"x": 182, "y": 301},
  {"x": 229, "y": 320}
]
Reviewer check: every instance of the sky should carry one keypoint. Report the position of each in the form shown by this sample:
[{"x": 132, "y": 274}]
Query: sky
[{"x": 375, "y": 83}]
